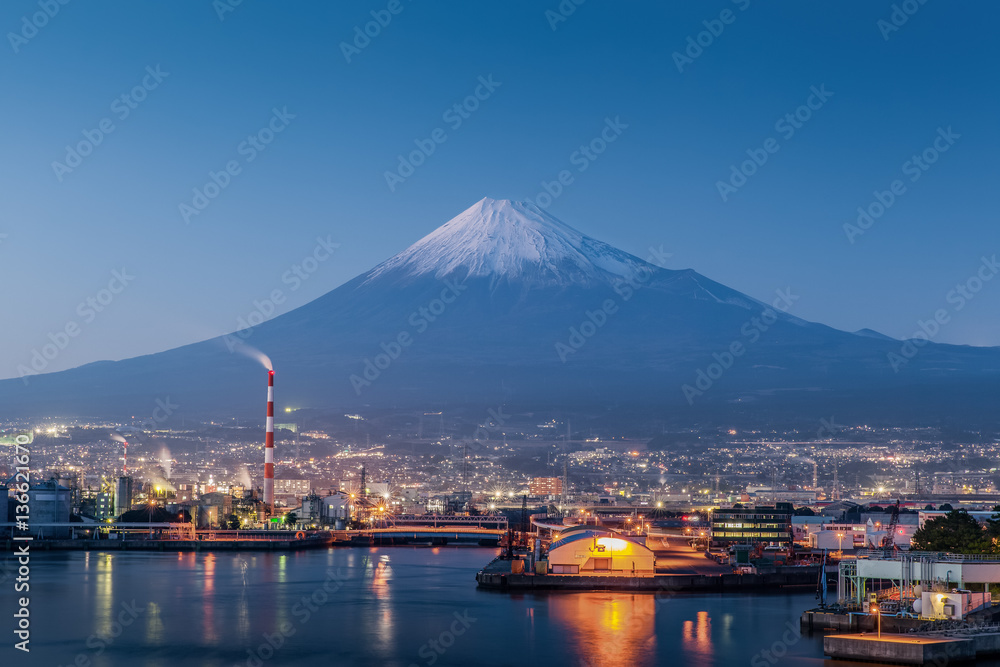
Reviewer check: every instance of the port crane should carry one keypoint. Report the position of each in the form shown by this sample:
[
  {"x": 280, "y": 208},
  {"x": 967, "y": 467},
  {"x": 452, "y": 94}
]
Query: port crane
[{"x": 889, "y": 539}]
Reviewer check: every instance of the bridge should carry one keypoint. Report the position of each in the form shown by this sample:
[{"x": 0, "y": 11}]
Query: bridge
[{"x": 420, "y": 535}]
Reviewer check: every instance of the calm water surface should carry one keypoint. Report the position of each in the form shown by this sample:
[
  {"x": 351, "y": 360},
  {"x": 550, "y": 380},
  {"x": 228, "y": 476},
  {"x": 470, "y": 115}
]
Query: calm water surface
[{"x": 389, "y": 606}]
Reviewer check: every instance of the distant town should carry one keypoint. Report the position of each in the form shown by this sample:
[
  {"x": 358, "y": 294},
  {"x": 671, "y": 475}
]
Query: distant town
[{"x": 341, "y": 470}]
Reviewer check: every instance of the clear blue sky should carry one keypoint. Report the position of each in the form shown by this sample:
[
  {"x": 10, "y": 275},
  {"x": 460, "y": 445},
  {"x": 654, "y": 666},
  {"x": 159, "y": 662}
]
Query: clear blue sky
[{"x": 323, "y": 175}]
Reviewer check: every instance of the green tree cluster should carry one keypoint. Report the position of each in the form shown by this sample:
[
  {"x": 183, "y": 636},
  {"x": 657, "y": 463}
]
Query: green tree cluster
[{"x": 958, "y": 532}]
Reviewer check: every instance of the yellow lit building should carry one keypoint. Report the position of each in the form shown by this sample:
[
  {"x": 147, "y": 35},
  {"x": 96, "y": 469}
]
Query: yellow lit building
[{"x": 600, "y": 553}]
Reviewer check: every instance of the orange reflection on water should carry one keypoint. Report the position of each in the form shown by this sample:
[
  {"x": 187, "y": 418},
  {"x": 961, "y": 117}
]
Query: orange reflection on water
[
  {"x": 208, "y": 601},
  {"x": 697, "y": 635},
  {"x": 608, "y": 628}
]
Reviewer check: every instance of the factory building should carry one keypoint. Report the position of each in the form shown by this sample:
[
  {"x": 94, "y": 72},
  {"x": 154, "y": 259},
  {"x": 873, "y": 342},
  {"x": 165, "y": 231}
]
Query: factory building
[
  {"x": 50, "y": 502},
  {"x": 100, "y": 505},
  {"x": 336, "y": 508},
  {"x": 600, "y": 553},
  {"x": 865, "y": 534},
  {"x": 221, "y": 503},
  {"x": 753, "y": 525},
  {"x": 803, "y": 527},
  {"x": 123, "y": 495},
  {"x": 291, "y": 489}
]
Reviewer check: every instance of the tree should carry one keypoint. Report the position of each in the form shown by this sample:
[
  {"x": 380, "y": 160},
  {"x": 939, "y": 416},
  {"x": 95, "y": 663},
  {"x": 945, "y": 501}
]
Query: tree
[
  {"x": 234, "y": 522},
  {"x": 290, "y": 519},
  {"x": 946, "y": 507},
  {"x": 956, "y": 532}
]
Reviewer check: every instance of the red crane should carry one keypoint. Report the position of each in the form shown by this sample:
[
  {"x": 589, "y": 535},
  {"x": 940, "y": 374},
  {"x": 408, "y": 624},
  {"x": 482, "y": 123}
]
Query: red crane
[{"x": 889, "y": 540}]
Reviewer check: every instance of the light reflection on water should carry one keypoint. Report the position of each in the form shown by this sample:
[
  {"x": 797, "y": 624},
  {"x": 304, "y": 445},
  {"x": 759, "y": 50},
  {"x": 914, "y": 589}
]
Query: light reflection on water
[
  {"x": 697, "y": 636},
  {"x": 387, "y": 606},
  {"x": 608, "y": 628},
  {"x": 208, "y": 600},
  {"x": 154, "y": 624}
]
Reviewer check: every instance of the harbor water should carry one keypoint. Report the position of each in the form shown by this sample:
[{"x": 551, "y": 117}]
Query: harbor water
[{"x": 394, "y": 606}]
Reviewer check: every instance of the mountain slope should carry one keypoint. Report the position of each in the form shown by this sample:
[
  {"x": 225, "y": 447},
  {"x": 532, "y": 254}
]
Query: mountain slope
[{"x": 506, "y": 303}]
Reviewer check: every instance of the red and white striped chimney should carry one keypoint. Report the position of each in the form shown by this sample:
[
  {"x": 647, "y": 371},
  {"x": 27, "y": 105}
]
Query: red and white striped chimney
[{"x": 269, "y": 444}]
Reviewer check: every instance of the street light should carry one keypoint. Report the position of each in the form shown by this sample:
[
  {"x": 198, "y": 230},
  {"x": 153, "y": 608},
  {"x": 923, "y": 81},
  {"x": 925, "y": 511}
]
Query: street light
[{"x": 878, "y": 620}]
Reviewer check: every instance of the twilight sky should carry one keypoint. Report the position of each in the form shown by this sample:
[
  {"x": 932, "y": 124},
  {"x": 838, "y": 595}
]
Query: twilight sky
[{"x": 197, "y": 86}]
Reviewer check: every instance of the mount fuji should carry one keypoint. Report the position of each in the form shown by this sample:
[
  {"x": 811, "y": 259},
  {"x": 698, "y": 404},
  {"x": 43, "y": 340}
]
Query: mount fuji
[{"x": 507, "y": 304}]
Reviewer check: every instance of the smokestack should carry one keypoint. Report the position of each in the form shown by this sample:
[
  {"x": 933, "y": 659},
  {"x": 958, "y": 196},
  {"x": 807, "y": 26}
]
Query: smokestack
[
  {"x": 125, "y": 460},
  {"x": 269, "y": 444}
]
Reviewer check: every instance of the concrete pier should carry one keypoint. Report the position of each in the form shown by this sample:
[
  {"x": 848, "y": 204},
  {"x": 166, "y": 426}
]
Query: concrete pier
[
  {"x": 901, "y": 649},
  {"x": 498, "y": 576},
  {"x": 816, "y": 620}
]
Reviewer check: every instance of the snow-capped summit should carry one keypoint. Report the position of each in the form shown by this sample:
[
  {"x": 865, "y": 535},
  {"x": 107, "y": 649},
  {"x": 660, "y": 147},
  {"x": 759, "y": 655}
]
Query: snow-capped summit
[
  {"x": 505, "y": 304},
  {"x": 504, "y": 239}
]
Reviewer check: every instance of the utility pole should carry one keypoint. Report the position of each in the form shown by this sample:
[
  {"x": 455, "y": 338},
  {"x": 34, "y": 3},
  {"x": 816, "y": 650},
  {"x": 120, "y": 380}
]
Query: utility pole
[
  {"x": 565, "y": 489},
  {"x": 524, "y": 519},
  {"x": 465, "y": 470}
]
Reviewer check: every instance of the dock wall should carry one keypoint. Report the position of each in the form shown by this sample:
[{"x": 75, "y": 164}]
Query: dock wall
[{"x": 724, "y": 583}]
